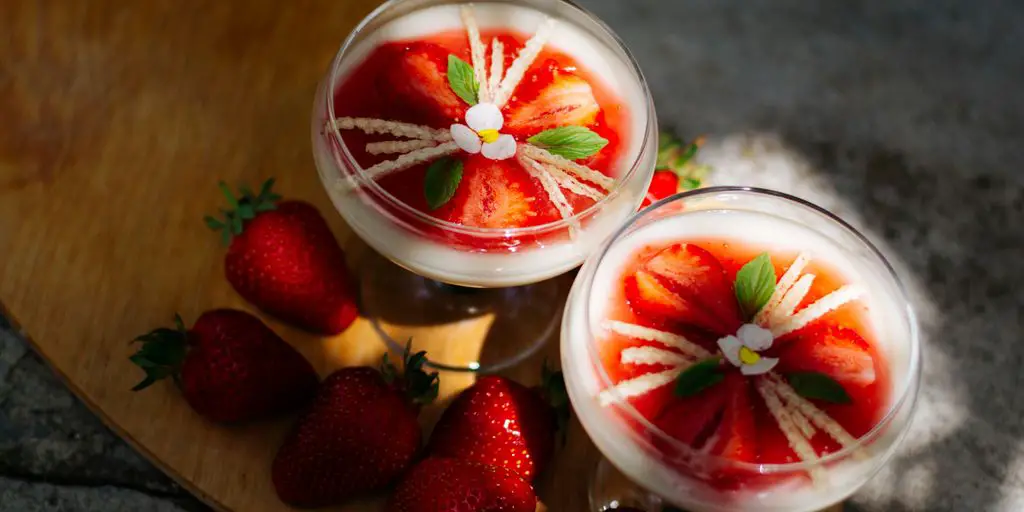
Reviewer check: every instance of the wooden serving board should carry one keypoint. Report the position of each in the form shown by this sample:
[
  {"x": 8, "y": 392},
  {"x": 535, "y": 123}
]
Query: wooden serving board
[{"x": 120, "y": 116}]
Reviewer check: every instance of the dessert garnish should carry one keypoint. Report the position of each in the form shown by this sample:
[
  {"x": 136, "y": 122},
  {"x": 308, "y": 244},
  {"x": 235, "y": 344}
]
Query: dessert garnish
[
  {"x": 754, "y": 315},
  {"x": 551, "y": 155},
  {"x": 676, "y": 169}
]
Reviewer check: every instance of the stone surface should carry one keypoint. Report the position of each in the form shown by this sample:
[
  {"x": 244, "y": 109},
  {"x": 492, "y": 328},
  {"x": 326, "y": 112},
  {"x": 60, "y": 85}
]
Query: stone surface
[{"x": 904, "y": 117}]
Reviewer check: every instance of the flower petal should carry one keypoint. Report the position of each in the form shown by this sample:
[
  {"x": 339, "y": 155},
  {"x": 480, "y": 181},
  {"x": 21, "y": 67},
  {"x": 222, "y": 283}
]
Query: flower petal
[
  {"x": 763, "y": 366},
  {"x": 484, "y": 116},
  {"x": 730, "y": 346},
  {"x": 504, "y": 147},
  {"x": 465, "y": 139},
  {"x": 755, "y": 337}
]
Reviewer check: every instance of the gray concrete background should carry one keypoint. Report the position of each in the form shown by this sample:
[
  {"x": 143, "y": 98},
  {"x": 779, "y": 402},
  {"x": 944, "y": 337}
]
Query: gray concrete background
[{"x": 907, "y": 117}]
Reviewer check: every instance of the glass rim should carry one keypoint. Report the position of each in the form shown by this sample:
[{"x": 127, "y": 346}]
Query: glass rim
[
  {"x": 430, "y": 220},
  {"x": 904, "y": 394}
]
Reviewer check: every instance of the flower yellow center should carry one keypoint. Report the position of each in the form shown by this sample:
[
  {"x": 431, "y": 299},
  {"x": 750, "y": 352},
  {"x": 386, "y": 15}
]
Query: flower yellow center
[
  {"x": 488, "y": 136},
  {"x": 748, "y": 356}
]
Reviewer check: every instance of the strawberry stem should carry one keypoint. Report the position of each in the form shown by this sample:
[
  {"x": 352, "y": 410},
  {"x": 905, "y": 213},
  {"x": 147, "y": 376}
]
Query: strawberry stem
[
  {"x": 675, "y": 156},
  {"x": 419, "y": 386},
  {"x": 161, "y": 353},
  {"x": 232, "y": 222}
]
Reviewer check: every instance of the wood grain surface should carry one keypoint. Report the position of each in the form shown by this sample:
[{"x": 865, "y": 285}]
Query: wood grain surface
[{"x": 120, "y": 117}]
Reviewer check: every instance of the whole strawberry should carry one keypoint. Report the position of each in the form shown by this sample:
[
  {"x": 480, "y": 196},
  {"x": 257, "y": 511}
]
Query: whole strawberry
[
  {"x": 500, "y": 422},
  {"x": 359, "y": 436},
  {"x": 230, "y": 366},
  {"x": 283, "y": 258},
  {"x": 675, "y": 169},
  {"x": 449, "y": 485}
]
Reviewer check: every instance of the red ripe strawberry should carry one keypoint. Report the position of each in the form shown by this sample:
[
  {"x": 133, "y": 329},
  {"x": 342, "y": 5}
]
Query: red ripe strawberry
[
  {"x": 284, "y": 259},
  {"x": 838, "y": 352},
  {"x": 691, "y": 283},
  {"x": 499, "y": 422},
  {"x": 693, "y": 419},
  {"x": 719, "y": 422},
  {"x": 663, "y": 184},
  {"x": 358, "y": 437},
  {"x": 566, "y": 100},
  {"x": 449, "y": 485},
  {"x": 419, "y": 81},
  {"x": 492, "y": 194},
  {"x": 230, "y": 366}
]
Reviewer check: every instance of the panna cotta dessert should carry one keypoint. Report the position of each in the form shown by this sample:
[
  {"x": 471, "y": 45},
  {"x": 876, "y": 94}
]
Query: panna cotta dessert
[
  {"x": 738, "y": 349},
  {"x": 489, "y": 144}
]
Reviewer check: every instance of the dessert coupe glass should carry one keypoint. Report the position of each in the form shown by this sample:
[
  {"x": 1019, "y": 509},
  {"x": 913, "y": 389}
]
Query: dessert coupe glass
[
  {"x": 646, "y": 468},
  {"x": 434, "y": 271}
]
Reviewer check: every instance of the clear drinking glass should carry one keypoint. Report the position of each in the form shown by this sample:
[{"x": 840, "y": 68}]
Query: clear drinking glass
[
  {"x": 662, "y": 469},
  {"x": 430, "y": 260}
]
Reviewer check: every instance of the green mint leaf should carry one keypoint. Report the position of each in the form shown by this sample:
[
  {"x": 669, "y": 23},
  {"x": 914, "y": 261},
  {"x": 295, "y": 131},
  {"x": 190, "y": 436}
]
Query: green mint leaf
[
  {"x": 443, "y": 177},
  {"x": 572, "y": 142},
  {"x": 698, "y": 377},
  {"x": 755, "y": 283},
  {"x": 462, "y": 80},
  {"x": 818, "y": 386}
]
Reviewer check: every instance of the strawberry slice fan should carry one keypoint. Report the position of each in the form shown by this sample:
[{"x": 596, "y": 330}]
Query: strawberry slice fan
[{"x": 474, "y": 161}]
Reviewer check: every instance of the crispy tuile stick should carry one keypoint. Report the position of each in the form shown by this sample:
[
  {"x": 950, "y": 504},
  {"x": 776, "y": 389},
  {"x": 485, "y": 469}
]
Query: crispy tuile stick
[
  {"x": 787, "y": 280},
  {"x": 398, "y": 129},
  {"x": 800, "y": 445},
  {"x": 580, "y": 171},
  {"x": 815, "y": 311},
  {"x": 653, "y": 355},
  {"x": 571, "y": 184},
  {"x": 524, "y": 59},
  {"x": 402, "y": 162},
  {"x": 818, "y": 417},
  {"x": 397, "y": 146},
  {"x": 551, "y": 187},
  {"x": 665, "y": 338},
  {"x": 637, "y": 386},
  {"x": 478, "y": 52},
  {"x": 497, "y": 66},
  {"x": 792, "y": 299}
]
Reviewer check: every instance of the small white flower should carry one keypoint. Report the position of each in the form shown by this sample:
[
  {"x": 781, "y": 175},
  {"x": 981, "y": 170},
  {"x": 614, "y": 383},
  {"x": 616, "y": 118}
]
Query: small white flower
[
  {"x": 742, "y": 349},
  {"x": 482, "y": 135}
]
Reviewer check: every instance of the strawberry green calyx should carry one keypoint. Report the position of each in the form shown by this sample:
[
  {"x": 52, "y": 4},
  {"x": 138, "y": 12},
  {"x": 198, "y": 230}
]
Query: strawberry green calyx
[
  {"x": 552, "y": 388},
  {"x": 243, "y": 209},
  {"x": 161, "y": 353},
  {"x": 676, "y": 156},
  {"x": 419, "y": 386}
]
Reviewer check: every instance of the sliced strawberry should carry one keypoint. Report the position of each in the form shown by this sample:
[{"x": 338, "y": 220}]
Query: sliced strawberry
[
  {"x": 652, "y": 403},
  {"x": 692, "y": 420},
  {"x": 663, "y": 184},
  {"x": 418, "y": 80},
  {"x": 492, "y": 194},
  {"x": 736, "y": 435},
  {"x": 649, "y": 298},
  {"x": 838, "y": 352},
  {"x": 686, "y": 284},
  {"x": 566, "y": 100}
]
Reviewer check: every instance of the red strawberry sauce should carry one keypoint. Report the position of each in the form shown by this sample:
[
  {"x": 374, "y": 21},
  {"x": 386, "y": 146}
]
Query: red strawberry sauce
[
  {"x": 840, "y": 344},
  {"x": 406, "y": 81}
]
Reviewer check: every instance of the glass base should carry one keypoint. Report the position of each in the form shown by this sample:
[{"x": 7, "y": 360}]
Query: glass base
[
  {"x": 461, "y": 329},
  {"x": 611, "y": 490}
]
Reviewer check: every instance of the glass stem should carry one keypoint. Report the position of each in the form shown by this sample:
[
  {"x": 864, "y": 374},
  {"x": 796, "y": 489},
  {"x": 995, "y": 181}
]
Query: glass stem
[{"x": 610, "y": 490}]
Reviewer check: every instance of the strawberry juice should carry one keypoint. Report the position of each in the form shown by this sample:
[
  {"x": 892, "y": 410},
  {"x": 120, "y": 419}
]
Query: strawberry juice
[
  {"x": 739, "y": 361},
  {"x": 485, "y": 144}
]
